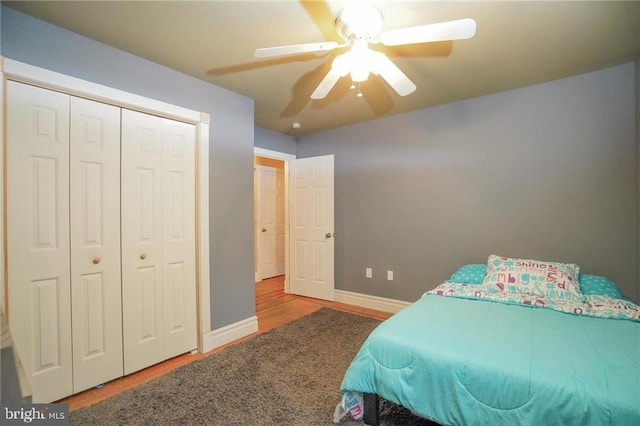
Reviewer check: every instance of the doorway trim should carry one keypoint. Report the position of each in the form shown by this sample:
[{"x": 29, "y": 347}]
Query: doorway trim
[
  {"x": 262, "y": 152},
  {"x": 41, "y": 77}
]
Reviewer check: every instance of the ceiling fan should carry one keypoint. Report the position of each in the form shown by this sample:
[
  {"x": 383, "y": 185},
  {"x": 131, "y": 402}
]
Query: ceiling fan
[{"x": 359, "y": 25}]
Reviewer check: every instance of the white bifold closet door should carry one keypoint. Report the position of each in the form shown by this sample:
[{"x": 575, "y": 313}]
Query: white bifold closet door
[
  {"x": 158, "y": 239},
  {"x": 63, "y": 264},
  {"x": 100, "y": 239}
]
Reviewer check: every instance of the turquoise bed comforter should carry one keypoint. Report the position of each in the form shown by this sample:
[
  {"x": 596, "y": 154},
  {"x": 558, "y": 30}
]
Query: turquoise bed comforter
[{"x": 461, "y": 361}]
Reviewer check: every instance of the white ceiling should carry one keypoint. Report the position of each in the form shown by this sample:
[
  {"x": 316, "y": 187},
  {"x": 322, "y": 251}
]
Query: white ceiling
[{"x": 517, "y": 44}]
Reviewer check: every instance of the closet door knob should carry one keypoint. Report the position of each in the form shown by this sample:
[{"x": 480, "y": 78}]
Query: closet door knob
[
  {"x": 264, "y": 229},
  {"x": 96, "y": 260},
  {"x": 143, "y": 256}
]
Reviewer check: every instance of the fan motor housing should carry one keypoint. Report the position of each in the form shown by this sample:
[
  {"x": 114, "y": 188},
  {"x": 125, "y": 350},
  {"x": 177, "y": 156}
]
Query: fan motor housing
[{"x": 361, "y": 23}]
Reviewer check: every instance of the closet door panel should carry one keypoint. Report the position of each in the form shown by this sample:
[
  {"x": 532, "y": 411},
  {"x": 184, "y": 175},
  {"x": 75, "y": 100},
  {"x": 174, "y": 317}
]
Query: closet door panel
[
  {"x": 178, "y": 237},
  {"x": 142, "y": 299},
  {"x": 38, "y": 237},
  {"x": 95, "y": 243}
]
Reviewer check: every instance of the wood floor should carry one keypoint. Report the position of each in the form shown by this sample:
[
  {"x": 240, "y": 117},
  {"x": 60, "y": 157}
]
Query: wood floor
[{"x": 273, "y": 308}]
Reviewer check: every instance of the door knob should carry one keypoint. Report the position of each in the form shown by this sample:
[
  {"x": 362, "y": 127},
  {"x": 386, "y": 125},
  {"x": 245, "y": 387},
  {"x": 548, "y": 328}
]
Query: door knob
[
  {"x": 264, "y": 229},
  {"x": 96, "y": 260},
  {"x": 143, "y": 256},
  {"x": 327, "y": 235}
]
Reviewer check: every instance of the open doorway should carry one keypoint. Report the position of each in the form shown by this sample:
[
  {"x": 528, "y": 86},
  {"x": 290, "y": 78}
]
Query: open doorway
[
  {"x": 269, "y": 218},
  {"x": 278, "y": 162},
  {"x": 309, "y": 221}
]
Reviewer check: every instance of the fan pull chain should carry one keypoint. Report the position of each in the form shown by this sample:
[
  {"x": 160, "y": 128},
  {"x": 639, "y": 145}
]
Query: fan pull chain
[{"x": 353, "y": 86}]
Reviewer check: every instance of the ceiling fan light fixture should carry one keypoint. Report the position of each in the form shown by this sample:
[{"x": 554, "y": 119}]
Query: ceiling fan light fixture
[
  {"x": 359, "y": 24},
  {"x": 359, "y": 73},
  {"x": 360, "y": 60},
  {"x": 342, "y": 64}
]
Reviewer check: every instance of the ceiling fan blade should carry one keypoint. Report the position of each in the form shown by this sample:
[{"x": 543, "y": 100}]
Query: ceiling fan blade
[
  {"x": 326, "y": 84},
  {"x": 293, "y": 49},
  {"x": 443, "y": 31},
  {"x": 383, "y": 66}
]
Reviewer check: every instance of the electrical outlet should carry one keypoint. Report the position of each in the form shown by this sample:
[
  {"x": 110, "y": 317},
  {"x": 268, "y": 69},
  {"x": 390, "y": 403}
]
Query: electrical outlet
[
  {"x": 389, "y": 275},
  {"x": 368, "y": 272}
]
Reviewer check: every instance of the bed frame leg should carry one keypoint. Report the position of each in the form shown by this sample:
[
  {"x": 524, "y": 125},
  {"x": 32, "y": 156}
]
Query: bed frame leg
[{"x": 371, "y": 412}]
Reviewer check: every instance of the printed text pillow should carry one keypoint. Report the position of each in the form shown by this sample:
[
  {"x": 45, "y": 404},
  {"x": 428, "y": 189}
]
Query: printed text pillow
[{"x": 547, "y": 279}]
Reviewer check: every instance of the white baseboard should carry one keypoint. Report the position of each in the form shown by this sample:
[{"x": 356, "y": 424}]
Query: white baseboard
[
  {"x": 227, "y": 334},
  {"x": 258, "y": 278},
  {"x": 372, "y": 302}
]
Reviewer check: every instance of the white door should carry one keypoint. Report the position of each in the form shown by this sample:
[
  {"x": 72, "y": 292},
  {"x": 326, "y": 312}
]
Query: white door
[
  {"x": 267, "y": 221},
  {"x": 312, "y": 227},
  {"x": 38, "y": 237},
  {"x": 280, "y": 223},
  {"x": 95, "y": 243},
  {"x": 158, "y": 222},
  {"x": 178, "y": 238}
]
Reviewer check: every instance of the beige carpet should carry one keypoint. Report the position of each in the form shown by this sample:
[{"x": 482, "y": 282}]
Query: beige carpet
[{"x": 288, "y": 376}]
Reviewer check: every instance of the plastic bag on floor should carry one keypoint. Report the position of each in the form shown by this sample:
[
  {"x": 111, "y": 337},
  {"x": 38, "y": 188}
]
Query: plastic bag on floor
[{"x": 352, "y": 402}]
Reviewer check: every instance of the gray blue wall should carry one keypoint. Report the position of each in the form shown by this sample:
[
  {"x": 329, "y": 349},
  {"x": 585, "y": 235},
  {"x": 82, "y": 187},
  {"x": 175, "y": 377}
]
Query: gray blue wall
[
  {"x": 545, "y": 172},
  {"x": 274, "y": 141},
  {"x": 231, "y": 141}
]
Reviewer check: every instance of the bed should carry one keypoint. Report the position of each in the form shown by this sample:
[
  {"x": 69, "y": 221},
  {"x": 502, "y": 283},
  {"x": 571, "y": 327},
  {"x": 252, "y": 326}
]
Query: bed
[{"x": 525, "y": 344}]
